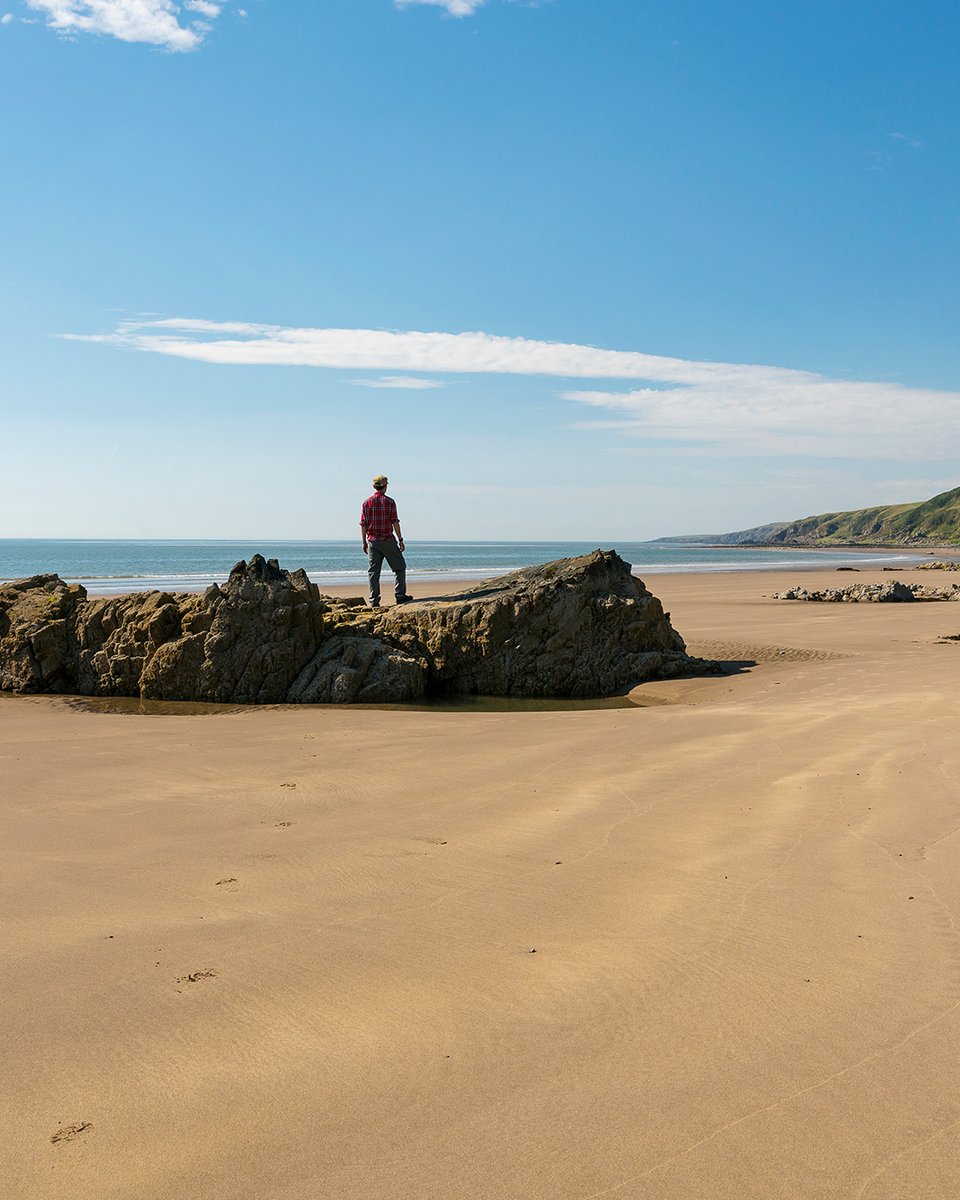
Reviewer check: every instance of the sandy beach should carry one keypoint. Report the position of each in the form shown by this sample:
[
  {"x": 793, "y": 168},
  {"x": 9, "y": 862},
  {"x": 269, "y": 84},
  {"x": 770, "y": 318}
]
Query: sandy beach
[{"x": 703, "y": 947}]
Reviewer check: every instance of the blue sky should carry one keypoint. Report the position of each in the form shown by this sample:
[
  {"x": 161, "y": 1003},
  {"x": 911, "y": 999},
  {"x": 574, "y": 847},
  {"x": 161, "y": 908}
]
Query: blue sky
[{"x": 589, "y": 269}]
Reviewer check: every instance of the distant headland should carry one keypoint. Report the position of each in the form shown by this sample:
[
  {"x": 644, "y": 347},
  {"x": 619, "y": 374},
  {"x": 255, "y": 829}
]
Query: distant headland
[{"x": 930, "y": 523}]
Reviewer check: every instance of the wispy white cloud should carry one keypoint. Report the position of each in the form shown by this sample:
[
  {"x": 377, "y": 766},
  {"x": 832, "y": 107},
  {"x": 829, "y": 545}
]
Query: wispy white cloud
[
  {"x": 412, "y": 382},
  {"x": 773, "y": 410},
  {"x": 163, "y": 23},
  {"x": 920, "y": 487},
  {"x": 897, "y": 136},
  {"x": 456, "y": 8},
  {"x": 745, "y": 408},
  {"x": 6, "y": 19}
]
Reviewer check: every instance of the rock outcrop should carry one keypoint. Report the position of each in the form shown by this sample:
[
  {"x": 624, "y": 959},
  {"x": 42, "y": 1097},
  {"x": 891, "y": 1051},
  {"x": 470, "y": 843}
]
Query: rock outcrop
[
  {"x": 38, "y": 634},
  {"x": 891, "y": 592},
  {"x": 577, "y": 627}
]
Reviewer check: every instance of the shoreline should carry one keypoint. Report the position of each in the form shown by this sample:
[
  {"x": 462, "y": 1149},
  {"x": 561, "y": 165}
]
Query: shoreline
[
  {"x": 440, "y": 587},
  {"x": 448, "y": 582},
  {"x": 925, "y": 549},
  {"x": 344, "y": 567}
]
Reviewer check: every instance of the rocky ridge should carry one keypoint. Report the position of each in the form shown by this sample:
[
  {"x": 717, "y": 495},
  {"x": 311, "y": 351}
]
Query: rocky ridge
[
  {"x": 576, "y": 627},
  {"x": 891, "y": 592}
]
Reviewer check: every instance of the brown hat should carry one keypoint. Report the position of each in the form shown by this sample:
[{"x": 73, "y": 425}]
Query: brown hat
[{"x": 379, "y": 480}]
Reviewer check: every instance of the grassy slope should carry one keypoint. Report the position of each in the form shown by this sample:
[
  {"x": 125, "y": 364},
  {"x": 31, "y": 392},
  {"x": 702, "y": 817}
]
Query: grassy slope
[
  {"x": 936, "y": 520},
  {"x": 931, "y": 522}
]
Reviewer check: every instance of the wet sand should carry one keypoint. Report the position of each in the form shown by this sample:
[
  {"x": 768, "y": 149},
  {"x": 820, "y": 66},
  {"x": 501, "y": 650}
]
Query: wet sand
[{"x": 705, "y": 948}]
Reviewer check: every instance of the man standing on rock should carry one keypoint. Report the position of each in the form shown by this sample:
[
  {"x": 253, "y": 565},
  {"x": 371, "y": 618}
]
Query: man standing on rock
[{"x": 378, "y": 522}]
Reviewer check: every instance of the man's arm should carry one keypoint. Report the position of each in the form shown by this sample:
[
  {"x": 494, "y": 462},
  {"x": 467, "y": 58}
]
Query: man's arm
[
  {"x": 396, "y": 530},
  {"x": 363, "y": 528}
]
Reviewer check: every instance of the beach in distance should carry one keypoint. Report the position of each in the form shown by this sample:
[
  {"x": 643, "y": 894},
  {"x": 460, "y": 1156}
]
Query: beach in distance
[{"x": 702, "y": 946}]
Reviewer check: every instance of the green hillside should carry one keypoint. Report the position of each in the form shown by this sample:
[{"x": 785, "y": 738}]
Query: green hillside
[{"x": 933, "y": 522}]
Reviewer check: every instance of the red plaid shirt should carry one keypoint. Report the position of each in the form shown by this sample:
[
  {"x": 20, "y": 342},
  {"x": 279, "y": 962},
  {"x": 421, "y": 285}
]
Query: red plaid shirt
[{"x": 377, "y": 517}]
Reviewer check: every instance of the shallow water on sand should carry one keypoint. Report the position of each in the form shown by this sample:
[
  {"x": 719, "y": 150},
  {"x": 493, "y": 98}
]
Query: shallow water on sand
[{"x": 132, "y": 706}]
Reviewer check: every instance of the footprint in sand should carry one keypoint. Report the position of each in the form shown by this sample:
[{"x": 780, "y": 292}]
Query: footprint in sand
[
  {"x": 196, "y": 976},
  {"x": 68, "y": 1132},
  {"x": 283, "y": 824},
  {"x": 293, "y": 785}
]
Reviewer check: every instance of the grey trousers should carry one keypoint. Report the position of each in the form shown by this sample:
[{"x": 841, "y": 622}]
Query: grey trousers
[{"x": 376, "y": 553}]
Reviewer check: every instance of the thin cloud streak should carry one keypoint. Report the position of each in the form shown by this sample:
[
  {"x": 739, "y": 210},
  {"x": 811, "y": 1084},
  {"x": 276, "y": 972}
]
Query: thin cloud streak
[
  {"x": 748, "y": 408},
  {"x": 410, "y": 382},
  {"x": 455, "y": 8}
]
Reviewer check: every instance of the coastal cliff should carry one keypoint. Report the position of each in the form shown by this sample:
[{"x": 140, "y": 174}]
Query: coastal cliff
[
  {"x": 576, "y": 627},
  {"x": 930, "y": 523}
]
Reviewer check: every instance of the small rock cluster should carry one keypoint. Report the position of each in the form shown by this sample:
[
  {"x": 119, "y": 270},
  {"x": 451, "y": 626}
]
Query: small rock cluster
[
  {"x": 940, "y": 565},
  {"x": 577, "y": 627},
  {"x": 891, "y": 592}
]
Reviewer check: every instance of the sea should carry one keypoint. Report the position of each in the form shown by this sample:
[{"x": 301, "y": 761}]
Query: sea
[{"x": 113, "y": 567}]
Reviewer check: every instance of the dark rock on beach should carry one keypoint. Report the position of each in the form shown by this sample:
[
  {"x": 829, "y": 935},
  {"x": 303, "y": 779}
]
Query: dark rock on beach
[
  {"x": 38, "y": 619},
  {"x": 577, "y": 627},
  {"x": 891, "y": 592}
]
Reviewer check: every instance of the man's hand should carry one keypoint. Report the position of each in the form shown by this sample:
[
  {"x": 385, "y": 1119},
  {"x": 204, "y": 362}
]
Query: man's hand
[
  {"x": 364, "y": 545},
  {"x": 400, "y": 543}
]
